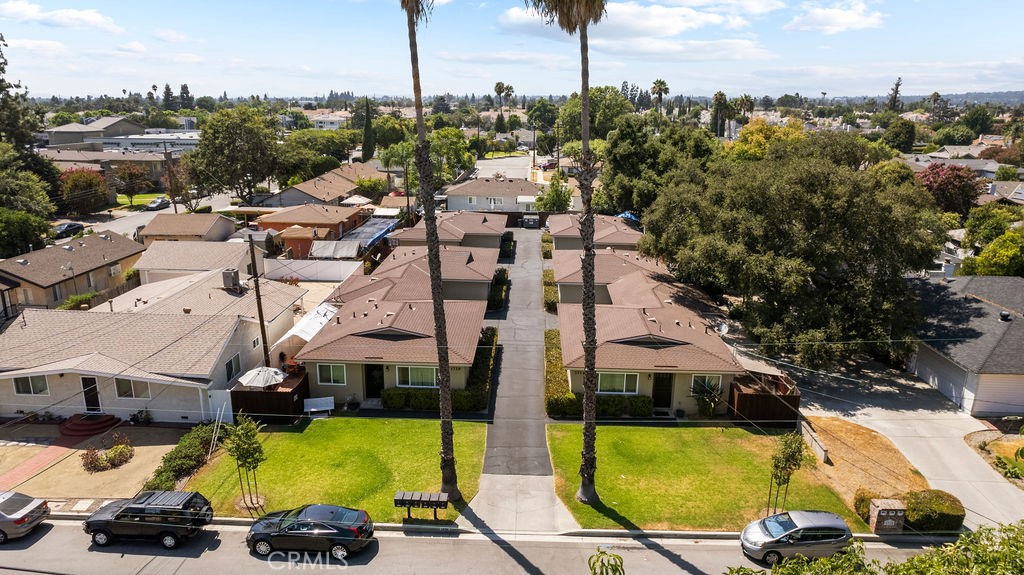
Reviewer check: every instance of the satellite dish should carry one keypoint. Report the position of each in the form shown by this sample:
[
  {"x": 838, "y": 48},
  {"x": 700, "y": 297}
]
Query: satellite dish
[{"x": 722, "y": 329}]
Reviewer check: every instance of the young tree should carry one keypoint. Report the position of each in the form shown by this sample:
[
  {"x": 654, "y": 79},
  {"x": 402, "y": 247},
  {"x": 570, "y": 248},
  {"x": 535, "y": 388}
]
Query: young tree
[
  {"x": 955, "y": 188},
  {"x": 787, "y": 460},
  {"x": 242, "y": 442},
  {"x": 576, "y": 16},
  {"x": 21, "y": 232},
  {"x": 236, "y": 153},
  {"x": 130, "y": 179},
  {"x": 84, "y": 191},
  {"x": 417, "y": 11},
  {"x": 557, "y": 198}
]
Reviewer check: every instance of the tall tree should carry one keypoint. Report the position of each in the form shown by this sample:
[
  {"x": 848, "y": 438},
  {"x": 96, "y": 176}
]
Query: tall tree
[
  {"x": 659, "y": 90},
  {"x": 185, "y": 98},
  {"x": 417, "y": 11},
  {"x": 237, "y": 151},
  {"x": 130, "y": 179},
  {"x": 894, "y": 104},
  {"x": 21, "y": 232},
  {"x": 84, "y": 191},
  {"x": 20, "y": 189},
  {"x": 19, "y": 118},
  {"x": 509, "y": 97},
  {"x": 170, "y": 100},
  {"x": 575, "y": 16},
  {"x": 369, "y": 139},
  {"x": 499, "y": 91},
  {"x": 955, "y": 188}
]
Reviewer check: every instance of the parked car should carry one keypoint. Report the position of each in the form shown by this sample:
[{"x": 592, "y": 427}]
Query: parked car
[
  {"x": 67, "y": 229},
  {"x": 19, "y": 514},
  {"x": 807, "y": 533},
  {"x": 157, "y": 204},
  {"x": 549, "y": 164},
  {"x": 168, "y": 516},
  {"x": 331, "y": 529}
]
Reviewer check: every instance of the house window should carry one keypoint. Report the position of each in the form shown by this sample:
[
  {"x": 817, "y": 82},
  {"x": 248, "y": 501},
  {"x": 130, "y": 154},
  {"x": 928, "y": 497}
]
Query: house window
[
  {"x": 88, "y": 281},
  {"x": 34, "y": 385},
  {"x": 703, "y": 382},
  {"x": 128, "y": 389},
  {"x": 58, "y": 294},
  {"x": 232, "y": 367},
  {"x": 114, "y": 270},
  {"x": 625, "y": 383},
  {"x": 330, "y": 373},
  {"x": 255, "y": 343},
  {"x": 471, "y": 200},
  {"x": 494, "y": 201},
  {"x": 417, "y": 376}
]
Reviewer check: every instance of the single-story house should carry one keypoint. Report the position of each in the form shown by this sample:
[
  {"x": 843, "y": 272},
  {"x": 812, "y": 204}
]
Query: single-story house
[
  {"x": 401, "y": 203},
  {"x": 93, "y": 263},
  {"x": 373, "y": 345},
  {"x": 971, "y": 340},
  {"x": 187, "y": 228},
  {"x": 168, "y": 259},
  {"x": 466, "y": 274},
  {"x": 493, "y": 195},
  {"x": 331, "y": 188},
  {"x": 609, "y": 266},
  {"x": 667, "y": 353},
  {"x": 470, "y": 229},
  {"x": 76, "y": 133},
  {"x": 72, "y": 362},
  {"x": 609, "y": 232},
  {"x": 153, "y": 163},
  {"x": 337, "y": 220}
]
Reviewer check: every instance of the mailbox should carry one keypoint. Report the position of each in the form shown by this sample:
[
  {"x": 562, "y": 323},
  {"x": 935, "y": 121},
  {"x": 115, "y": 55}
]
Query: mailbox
[{"x": 887, "y": 516}]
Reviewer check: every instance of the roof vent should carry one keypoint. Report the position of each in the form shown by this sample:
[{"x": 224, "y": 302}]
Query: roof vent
[
  {"x": 186, "y": 310},
  {"x": 69, "y": 248},
  {"x": 366, "y": 313},
  {"x": 23, "y": 262},
  {"x": 1004, "y": 315}
]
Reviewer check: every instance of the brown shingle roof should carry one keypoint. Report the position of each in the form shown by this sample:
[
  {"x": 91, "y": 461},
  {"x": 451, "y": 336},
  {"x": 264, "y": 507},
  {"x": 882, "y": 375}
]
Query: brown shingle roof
[
  {"x": 310, "y": 215},
  {"x": 182, "y": 224},
  {"x": 180, "y": 346},
  {"x": 90, "y": 252},
  {"x": 607, "y": 229},
  {"x": 453, "y": 226},
  {"x": 659, "y": 339},
  {"x": 609, "y": 265},
  {"x": 396, "y": 202},
  {"x": 396, "y": 332},
  {"x": 339, "y": 182},
  {"x": 490, "y": 187},
  {"x": 93, "y": 157},
  {"x": 193, "y": 256}
]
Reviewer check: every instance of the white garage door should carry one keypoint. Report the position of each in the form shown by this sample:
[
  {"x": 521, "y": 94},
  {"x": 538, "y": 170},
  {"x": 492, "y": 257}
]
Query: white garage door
[
  {"x": 941, "y": 374},
  {"x": 999, "y": 395}
]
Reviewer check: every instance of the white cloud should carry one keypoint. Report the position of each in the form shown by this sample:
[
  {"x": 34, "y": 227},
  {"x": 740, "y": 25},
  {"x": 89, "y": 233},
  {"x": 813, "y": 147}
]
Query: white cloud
[
  {"x": 172, "y": 36},
  {"x": 623, "y": 20},
  {"x": 835, "y": 18},
  {"x": 24, "y": 11},
  {"x": 749, "y": 7},
  {"x": 684, "y": 50},
  {"x": 42, "y": 47},
  {"x": 132, "y": 48}
]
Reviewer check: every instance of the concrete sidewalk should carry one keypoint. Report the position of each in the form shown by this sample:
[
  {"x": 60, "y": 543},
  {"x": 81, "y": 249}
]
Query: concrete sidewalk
[
  {"x": 927, "y": 428},
  {"x": 517, "y": 488}
]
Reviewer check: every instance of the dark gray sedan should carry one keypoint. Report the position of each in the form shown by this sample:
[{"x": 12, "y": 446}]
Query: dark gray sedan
[{"x": 19, "y": 513}]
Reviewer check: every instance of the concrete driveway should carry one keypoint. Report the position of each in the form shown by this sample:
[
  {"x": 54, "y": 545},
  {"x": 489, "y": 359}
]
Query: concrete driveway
[{"x": 925, "y": 426}]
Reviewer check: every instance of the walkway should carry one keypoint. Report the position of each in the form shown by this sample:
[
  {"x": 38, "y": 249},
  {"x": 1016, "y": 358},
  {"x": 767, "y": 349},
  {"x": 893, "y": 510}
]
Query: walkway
[
  {"x": 57, "y": 450},
  {"x": 927, "y": 428},
  {"x": 517, "y": 489}
]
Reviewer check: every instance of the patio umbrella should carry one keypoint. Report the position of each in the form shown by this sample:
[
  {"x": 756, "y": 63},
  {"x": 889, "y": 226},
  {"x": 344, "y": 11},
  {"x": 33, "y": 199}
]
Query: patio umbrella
[{"x": 261, "y": 377}]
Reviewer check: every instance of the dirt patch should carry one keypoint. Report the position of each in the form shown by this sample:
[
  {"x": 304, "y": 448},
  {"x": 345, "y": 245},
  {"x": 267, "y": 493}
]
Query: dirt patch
[
  {"x": 11, "y": 456},
  {"x": 861, "y": 457},
  {"x": 990, "y": 443},
  {"x": 66, "y": 478}
]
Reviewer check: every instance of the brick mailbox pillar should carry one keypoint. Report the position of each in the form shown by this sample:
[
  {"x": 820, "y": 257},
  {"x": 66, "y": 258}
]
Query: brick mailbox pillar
[{"x": 887, "y": 516}]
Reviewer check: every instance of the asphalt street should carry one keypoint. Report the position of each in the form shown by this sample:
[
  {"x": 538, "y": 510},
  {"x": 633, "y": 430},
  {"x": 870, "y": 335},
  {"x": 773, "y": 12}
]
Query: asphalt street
[{"x": 61, "y": 547}]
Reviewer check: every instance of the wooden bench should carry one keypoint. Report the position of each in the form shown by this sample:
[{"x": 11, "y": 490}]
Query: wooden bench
[{"x": 422, "y": 500}]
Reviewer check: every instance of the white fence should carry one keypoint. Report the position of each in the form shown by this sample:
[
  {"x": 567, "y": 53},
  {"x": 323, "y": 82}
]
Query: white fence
[{"x": 311, "y": 270}]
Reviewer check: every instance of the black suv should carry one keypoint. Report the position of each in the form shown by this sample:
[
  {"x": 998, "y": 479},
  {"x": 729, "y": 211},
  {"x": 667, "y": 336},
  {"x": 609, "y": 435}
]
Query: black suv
[{"x": 169, "y": 516}]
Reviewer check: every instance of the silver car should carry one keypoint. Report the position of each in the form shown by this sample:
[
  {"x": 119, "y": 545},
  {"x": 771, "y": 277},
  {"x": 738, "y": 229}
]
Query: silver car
[
  {"x": 19, "y": 513},
  {"x": 807, "y": 533}
]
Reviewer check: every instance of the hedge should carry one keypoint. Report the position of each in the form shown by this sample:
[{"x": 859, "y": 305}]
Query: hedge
[
  {"x": 862, "y": 502},
  {"x": 640, "y": 406},
  {"x": 558, "y": 398},
  {"x": 394, "y": 398},
  {"x": 508, "y": 247},
  {"x": 186, "y": 457},
  {"x": 499, "y": 289},
  {"x": 933, "y": 510},
  {"x": 546, "y": 245}
]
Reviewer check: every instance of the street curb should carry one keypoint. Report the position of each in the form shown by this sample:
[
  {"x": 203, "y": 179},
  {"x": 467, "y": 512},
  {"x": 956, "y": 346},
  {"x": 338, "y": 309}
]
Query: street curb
[{"x": 246, "y": 522}]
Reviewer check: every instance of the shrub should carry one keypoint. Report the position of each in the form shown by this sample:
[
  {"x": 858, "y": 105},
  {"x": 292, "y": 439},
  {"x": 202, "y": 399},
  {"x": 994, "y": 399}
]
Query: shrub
[
  {"x": 551, "y": 299},
  {"x": 862, "y": 502},
  {"x": 545, "y": 251},
  {"x": 507, "y": 249},
  {"x": 469, "y": 399},
  {"x": 556, "y": 382},
  {"x": 933, "y": 510},
  {"x": 77, "y": 301},
  {"x": 496, "y": 297},
  {"x": 203, "y": 210},
  {"x": 481, "y": 373},
  {"x": 394, "y": 398},
  {"x": 611, "y": 405},
  {"x": 120, "y": 454},
  {"x": 640, "y": 406},
  {"x": 565, "y": 405},
  {"x": 131, "y": 274},
  {"x": 186, "y": 457},
  {"x": 424, "y": 399},
  {"x": 94, "y": 461},
  {"x": 1008, "y": 467},
  {"x": 549, "y": 277}
]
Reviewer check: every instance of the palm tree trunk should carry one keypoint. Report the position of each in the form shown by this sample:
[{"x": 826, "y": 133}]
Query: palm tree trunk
[
  {"x": 449, "y": 476},
  {"x": 587, "y": 492}
]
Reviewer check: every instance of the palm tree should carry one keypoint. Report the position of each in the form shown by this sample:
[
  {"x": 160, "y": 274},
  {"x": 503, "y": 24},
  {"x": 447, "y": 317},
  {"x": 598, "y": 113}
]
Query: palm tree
[
  {"x": 509, "y": 94},
  {"x": 659, "y": 90},
  {"x": 576, "y": 16},
  {"x": 499, "y": 91},
  {"x": 417, "y": 11}
]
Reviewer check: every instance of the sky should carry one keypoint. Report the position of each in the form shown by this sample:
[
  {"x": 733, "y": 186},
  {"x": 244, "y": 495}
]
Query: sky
[{"x": 308, "y": 48}]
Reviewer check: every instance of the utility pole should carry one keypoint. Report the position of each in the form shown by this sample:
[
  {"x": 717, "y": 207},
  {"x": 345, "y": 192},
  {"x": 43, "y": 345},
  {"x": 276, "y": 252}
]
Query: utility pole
[{"x": 259, "y": 302}]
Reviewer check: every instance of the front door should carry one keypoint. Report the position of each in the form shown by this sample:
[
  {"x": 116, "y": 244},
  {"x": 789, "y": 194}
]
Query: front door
[
  {"x": 92, "y": 395},
  {"x": 374, "y": 374},
  {"x": 662, "y": 392}
]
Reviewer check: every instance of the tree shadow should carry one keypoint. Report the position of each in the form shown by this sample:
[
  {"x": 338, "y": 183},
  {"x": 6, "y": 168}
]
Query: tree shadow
[
  {"x": 647, "y": 542},
  {"x": 480, "y": 525}
]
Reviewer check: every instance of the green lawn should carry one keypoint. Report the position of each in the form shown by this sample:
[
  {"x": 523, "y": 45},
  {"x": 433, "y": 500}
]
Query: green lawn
[
  {"x": 350, "y": 461},
  {"x": 713, "y": 479},
  {"x": 490, "y": 155},
  {"x": 139, "y": 201}
]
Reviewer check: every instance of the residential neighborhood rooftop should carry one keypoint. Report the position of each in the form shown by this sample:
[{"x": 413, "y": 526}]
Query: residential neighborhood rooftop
[
  {"x": 609, "y": 265},
  {"x": 182, "y": 224},
  {"x": 197, "y": 256},
  {"x": 54, "y": 264}
]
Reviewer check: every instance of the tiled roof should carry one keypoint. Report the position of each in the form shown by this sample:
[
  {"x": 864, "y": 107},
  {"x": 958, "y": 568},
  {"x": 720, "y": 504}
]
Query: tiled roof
[
  {"x": 609, "y": 265},
  {"x": 182, "y": 224},
  {"x": 491, "y": 187},
  {"x": 403, "y": 332},
  {"x": 607, "y": 229},
  {"x": 670, "y": 338},
  {"x": 91, "y": 252},
  {"x": 453, "y": 226},
  {"x": 962, "y": 321},
  {"x": 193, "y": 256},
  {"x": 204, "y": 294},
  {"x": 310, "y": 215},
  {"x": 178, "y": 346}
]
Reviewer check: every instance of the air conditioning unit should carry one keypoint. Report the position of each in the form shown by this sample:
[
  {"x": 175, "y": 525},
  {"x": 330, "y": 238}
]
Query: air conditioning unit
[
  {"x": 229, "y": 277},
  {"x": 114, "y": 270}
]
